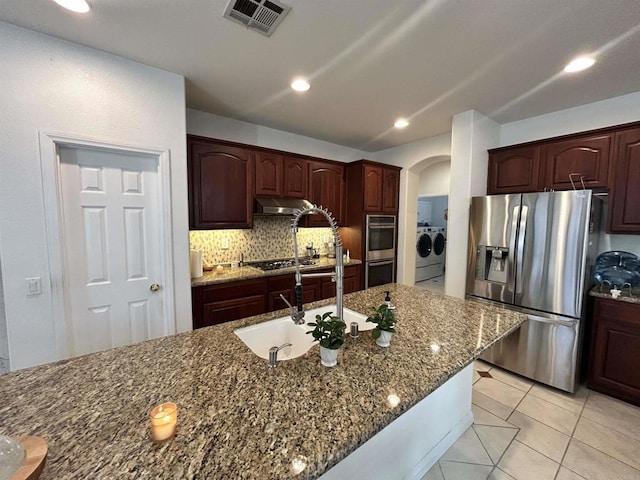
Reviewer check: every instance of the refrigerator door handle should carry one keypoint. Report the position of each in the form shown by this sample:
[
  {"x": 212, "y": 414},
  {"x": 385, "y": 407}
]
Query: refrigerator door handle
[
  {"x": 552, "y": 321},
  {"x": 511, "y": 280},
  {"x": 522, "y": 229}
]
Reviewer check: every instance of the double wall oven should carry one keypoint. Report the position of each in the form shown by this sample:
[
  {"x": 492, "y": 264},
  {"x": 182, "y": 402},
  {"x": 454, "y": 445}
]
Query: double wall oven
[{"x": 380, "y": 261}]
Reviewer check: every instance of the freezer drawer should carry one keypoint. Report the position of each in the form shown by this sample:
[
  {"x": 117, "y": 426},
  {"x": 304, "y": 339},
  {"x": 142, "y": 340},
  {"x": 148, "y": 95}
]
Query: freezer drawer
[{"x": 542, "y": 349}]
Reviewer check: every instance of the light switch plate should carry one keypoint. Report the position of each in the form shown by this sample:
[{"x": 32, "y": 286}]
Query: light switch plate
[
  {"x": 225, "y": 244},
  {"x": 34, "y": 286}
]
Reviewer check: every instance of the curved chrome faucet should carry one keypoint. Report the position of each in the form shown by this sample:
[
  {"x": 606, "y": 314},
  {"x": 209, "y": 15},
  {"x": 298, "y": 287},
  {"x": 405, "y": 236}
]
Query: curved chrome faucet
[
  {"x": 273, "y": 354},
  {"x": 338, "y": 276}
]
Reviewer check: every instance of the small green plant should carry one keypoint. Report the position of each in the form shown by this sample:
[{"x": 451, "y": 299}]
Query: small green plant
[
  {"x": 384, "y": 319},
  {"x": 328, "y": 330}
]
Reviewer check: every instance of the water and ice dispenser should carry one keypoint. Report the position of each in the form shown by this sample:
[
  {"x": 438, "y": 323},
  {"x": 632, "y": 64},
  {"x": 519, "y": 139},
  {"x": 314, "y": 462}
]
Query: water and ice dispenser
[{"x": 492, "y": 264}]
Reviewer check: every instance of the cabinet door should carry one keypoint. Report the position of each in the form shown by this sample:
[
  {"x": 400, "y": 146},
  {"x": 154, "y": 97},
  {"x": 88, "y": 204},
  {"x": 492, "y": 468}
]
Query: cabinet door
[
  {"x": 221, "y": 185},
  {"x": 624, "y": 208},
  {"x": 373, "y": 189},
  {"x": 227, "y": 310},
  {"x": 352, "y": 282},
  {"x": 514, "y": 170},
  {"x": 568, "y": 160},
  {"x": 391, "y": 191},
  {"x": 326, "y": 188},
  {"x": 296, "y": 176},
  {"x": 284, "y": 284},
  {"x": 269, "y": 174},
  {"x": 616, "y": 350}
]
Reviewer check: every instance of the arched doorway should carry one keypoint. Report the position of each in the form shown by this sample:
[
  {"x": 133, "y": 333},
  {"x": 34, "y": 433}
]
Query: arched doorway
[{"x": 410, "y": 181}]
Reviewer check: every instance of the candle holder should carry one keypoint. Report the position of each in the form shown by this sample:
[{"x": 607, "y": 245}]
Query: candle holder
[{"x": 164, "y": 418}]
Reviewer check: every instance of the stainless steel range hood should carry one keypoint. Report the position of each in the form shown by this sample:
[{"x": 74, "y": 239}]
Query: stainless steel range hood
[{"x": 279, "y": 206}]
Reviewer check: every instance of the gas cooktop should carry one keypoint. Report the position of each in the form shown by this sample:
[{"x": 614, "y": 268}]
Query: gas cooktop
[{"x": 278, "y": 264}]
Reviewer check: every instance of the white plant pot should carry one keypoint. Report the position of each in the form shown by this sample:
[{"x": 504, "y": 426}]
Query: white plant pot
[
  {"x": 384, "y": 340},
  {"x": 328, "y": 357}
]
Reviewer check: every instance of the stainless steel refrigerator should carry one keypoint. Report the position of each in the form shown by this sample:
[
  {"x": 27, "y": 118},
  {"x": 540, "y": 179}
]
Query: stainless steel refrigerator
[{"x": 534, "y": 252}]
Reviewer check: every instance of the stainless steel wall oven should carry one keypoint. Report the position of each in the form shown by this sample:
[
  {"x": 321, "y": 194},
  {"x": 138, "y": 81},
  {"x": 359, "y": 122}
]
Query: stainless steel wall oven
[{"x": 380, "y": 261}]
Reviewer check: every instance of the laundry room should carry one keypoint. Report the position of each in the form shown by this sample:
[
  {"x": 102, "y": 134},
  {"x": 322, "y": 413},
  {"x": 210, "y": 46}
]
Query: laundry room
[{"x": 433, "y": 200}]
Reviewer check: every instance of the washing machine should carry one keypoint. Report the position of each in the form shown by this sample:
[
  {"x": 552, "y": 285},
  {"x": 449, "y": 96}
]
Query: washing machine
[{"x": 430, "y": 252}]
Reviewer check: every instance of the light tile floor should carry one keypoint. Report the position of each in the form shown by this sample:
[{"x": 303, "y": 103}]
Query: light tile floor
[
  {"x": 526, "y": 431},
  {"x": 435, "y": 284}
]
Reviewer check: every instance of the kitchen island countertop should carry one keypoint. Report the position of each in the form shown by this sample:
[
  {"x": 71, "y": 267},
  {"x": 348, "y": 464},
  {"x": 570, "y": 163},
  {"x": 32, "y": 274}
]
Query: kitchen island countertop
[{"x": 236, "y": 417}]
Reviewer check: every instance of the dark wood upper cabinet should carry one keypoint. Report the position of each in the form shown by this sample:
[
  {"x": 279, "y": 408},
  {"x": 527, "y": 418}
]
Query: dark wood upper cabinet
[
  {"x": 624, "y": 205},
  {"x": 391, "y": 190},
  {"x": 615, "y": 350},
  {"x": 326, "y": 188},
  {"x": 280, "y": 175},
  {"x": 220, "y": 185},
  {"x": 513, "y": 170},
  {"x": 373, "y": 188},
  {"x": 570, "y": 160},
  {"x": 269, "y": 174},
  {"x": 296, "y": 175}
]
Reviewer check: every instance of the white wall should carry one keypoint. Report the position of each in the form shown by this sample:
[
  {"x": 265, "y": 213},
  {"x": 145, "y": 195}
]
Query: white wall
[
  {"x": 472, "y": 135},
  {"x": 224, "y": 128},
  {"x": 431, "y": 210},
  {"x": 613, "y": 111},
  {"x": 411, "y": 154},
  {"x": 4, "y": 343},
  {"x": 56, "y": 86},
  {"x": 434, "y": 180}
]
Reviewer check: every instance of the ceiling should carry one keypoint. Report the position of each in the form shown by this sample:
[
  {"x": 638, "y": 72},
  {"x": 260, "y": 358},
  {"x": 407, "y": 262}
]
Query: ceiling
[{"x": 368, "y": 61}]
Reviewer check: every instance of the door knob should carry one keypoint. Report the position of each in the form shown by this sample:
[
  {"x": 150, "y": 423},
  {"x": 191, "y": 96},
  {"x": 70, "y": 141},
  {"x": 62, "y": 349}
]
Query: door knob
[{"x": 154, "y": 287}]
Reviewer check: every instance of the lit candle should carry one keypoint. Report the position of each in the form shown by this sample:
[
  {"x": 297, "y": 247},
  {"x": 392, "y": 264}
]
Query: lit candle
[{"x": 163, "y": 421}]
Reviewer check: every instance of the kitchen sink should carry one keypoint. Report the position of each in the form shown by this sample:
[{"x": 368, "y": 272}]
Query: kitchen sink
[{"x": 274, "y": 333}]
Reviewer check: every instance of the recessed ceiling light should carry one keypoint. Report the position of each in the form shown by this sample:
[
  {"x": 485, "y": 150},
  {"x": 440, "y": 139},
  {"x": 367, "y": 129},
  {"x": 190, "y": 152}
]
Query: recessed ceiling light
[
  {"x": 579, "y": 63},
  {"x": 80, "y": 6},
  {"x": 300, "y": 85},
  {"x": 401, "y": 123}
]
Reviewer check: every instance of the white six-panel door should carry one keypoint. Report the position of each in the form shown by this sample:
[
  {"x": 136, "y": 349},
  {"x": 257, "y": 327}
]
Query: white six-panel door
[{"x": 112, "y": 243}]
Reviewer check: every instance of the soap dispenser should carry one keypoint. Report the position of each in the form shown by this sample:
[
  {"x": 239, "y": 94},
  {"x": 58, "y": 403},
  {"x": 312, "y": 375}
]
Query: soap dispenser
[{"x": 387, "y": 301}]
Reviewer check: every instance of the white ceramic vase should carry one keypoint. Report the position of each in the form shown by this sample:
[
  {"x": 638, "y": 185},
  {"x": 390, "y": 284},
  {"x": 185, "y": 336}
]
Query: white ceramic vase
[
  {"x": 384, "y": 340},
  {"x": 328, "y": 357}
]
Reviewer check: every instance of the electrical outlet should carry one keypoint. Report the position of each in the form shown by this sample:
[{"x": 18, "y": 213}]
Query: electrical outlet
[
  {"x": 34, "y": 286},
  {"x": 225, "y": 244}
]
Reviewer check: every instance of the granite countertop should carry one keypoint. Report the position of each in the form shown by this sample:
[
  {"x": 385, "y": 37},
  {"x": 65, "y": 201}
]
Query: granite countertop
[
  {"x": 247, "y": 272},
  {"x": 236, "y": 417},
  {"x": 629, "y": 295}
]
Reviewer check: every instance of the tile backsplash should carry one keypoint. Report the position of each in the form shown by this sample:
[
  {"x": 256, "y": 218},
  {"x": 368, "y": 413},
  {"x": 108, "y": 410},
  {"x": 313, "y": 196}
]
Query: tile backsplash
[{"x": 270, "y": 238}]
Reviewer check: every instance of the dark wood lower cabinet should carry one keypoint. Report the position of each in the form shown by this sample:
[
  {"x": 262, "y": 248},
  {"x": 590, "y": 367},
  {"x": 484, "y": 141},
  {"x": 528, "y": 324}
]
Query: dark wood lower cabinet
[
  {"x": 214, "y": 304},
  {"x": 351, "y": 282},
  {"x": 284, "y": 284},
  {"x": 615, "y": 350},
  {"x": 224, "y": 302}
]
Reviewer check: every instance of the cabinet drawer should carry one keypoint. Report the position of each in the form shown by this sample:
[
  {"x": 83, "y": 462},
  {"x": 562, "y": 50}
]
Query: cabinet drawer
[
  {"x": 617, "y": 310},
  {"x": 234, "y": 309},
  {"x": 232, "y": 290}
]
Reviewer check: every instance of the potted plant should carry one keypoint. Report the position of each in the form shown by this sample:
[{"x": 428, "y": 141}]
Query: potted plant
[
  {"x": 385, "y": 322},
  {"x": 329, "y": 331}
]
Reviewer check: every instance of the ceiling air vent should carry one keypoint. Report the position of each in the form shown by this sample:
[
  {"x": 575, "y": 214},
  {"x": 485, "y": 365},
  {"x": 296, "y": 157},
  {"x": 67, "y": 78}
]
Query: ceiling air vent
[{"x": 260, "y": 15}]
